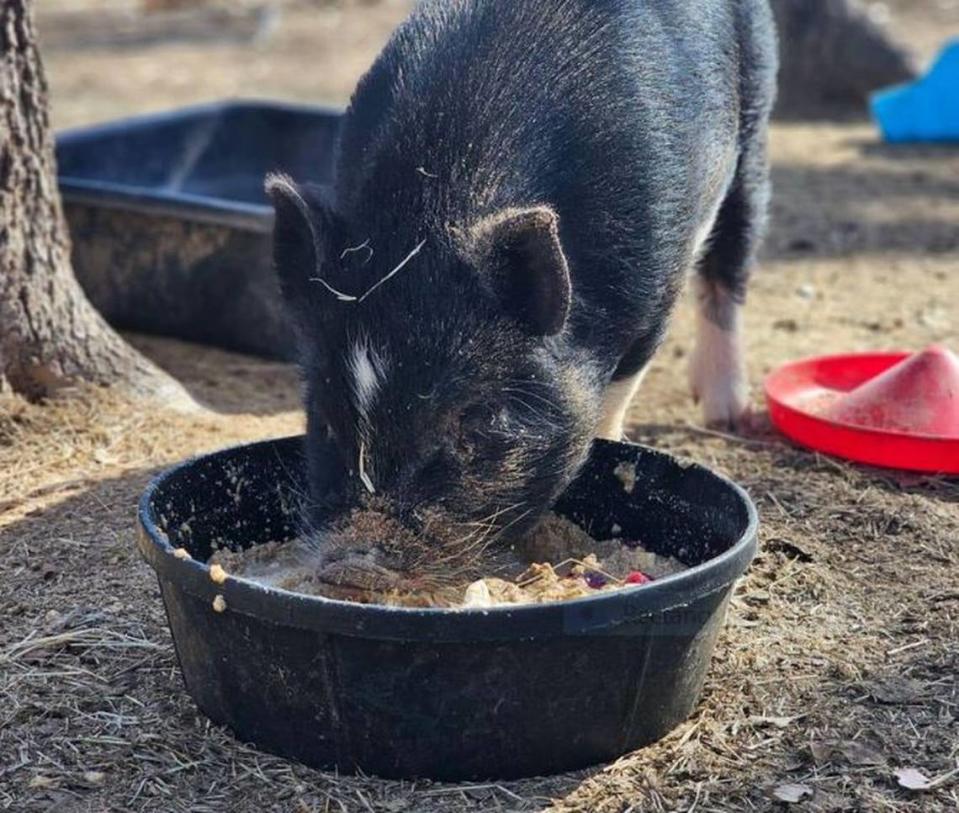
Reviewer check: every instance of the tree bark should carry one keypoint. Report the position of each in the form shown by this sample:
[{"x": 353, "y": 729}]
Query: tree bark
[
  {"x": 832, "y": 56},
  {"x": 51, "y": 337}
]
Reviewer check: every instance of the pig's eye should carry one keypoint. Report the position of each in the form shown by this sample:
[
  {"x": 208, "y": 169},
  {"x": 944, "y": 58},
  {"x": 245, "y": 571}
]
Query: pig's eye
[{"x": 476, "y": 423}]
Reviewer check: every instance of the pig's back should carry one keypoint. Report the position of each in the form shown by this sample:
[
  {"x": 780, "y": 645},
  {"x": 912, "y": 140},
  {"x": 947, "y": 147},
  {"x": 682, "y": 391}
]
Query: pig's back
[{"x": 622, "y": 114}]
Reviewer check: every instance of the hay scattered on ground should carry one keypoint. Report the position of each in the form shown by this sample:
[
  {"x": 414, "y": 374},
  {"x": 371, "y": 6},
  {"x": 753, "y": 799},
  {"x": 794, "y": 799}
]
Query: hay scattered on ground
[
  {"x": 838, "y": 666},
  {"x": 837, "y": 669}
]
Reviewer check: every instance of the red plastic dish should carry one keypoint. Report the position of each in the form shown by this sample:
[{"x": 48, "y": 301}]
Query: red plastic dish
[{"x": 894, "y": 410}]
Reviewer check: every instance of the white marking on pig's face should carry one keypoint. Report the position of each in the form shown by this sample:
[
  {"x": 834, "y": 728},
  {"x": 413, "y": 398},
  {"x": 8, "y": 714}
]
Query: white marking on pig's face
[
  {"x": 368, "y": 369},
  {"x": 364, "y": 477}
]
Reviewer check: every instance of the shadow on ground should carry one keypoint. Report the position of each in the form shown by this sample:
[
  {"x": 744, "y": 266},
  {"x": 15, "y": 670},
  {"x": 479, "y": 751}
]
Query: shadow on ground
[
  {"x": 95, "y": 715},
  {"x": 780, "y": 453},
  {"x": 904, "y": 152},
  {"x": 226, "y": 382},
  {"x": 861, "y": 210}
]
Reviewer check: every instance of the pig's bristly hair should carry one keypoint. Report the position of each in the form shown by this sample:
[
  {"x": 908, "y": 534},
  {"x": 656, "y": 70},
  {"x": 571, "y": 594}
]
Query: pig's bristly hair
[
  {"x": 365, "y": 363},
  {"x": 338, "y": 294},
  {"x": 364, "y": 246},
  {"x": 342, "y": 297},
  {"x": 395, "y": 271}
]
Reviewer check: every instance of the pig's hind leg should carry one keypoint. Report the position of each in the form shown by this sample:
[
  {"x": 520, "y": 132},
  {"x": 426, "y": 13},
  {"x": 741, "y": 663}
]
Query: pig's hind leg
[{"x": 717, "y": 367}]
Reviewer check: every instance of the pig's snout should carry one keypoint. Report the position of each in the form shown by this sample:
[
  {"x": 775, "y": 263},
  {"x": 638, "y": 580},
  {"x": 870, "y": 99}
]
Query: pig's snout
[
  {"x": 364, "y": 569},
  {"x": 367, "y": 550}
]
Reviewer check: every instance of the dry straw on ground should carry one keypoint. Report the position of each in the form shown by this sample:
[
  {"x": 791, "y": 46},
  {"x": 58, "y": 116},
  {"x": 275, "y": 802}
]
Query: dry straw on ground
[
  {"x": 838, "y": 667},
  {"x": 836, "y": 678}
]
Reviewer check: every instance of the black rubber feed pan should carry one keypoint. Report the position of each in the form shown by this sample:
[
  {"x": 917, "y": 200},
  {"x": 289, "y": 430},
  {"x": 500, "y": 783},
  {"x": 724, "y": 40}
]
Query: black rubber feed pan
[
  {"x": 170, "y": 225},
  {"x": 447, "y": 694}
]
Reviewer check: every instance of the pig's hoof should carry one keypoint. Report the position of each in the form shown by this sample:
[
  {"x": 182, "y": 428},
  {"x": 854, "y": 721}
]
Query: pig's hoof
[
  {"x": 723, "y": 395},
  {"x": 728, "y": 411},
  {"x": 729, "y": 418}
]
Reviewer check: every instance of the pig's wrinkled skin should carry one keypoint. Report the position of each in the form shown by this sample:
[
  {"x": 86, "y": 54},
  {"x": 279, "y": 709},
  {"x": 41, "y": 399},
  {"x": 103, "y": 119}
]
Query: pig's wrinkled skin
[{"x": 522, "y": 187}]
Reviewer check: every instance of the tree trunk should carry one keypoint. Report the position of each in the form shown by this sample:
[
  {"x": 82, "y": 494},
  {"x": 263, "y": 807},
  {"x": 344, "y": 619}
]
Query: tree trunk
[
  {"x": 50, "y": 335},
  {"x": 832, "y": 56}
]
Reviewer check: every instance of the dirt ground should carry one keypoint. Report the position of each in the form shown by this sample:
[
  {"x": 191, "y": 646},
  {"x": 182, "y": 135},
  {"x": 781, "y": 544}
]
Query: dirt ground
[{"x": 839, "y": 663}]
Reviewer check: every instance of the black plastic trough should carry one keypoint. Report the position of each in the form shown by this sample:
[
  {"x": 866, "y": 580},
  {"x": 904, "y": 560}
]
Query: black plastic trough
[
  {"x": 447, "y": 694},
  {"x": 170, "y": 224}
]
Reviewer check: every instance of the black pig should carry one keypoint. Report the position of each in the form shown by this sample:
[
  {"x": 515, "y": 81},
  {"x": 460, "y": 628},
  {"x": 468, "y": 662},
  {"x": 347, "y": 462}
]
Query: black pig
[{"x": 521, "y": 189}]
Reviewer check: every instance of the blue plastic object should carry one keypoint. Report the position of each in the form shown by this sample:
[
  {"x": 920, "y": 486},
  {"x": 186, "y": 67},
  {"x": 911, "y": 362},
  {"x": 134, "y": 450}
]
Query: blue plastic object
[{"x": 925, "y": 111}]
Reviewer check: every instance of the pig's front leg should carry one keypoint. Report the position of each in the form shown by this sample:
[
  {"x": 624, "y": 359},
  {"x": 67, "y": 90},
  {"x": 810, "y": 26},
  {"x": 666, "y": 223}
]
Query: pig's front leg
[{"x": 616, "y": 406}]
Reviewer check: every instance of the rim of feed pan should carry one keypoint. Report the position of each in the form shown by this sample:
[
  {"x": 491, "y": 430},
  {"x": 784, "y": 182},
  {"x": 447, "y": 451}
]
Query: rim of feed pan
[
  {"x": 568, "y": 617},
  {"x": 894, "y": 409}
]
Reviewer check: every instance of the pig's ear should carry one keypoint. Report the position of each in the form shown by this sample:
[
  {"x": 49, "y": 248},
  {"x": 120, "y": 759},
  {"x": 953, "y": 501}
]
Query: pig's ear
[
  {"x": 520, "y": 254},
  {"x": 300, "y": 234}
]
